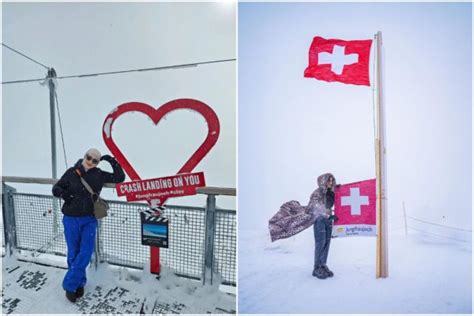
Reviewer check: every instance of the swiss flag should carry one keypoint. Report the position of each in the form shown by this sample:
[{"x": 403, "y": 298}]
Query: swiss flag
[
  {"x": 338, "y": 60},
  {"x": 356, "y": 203}
]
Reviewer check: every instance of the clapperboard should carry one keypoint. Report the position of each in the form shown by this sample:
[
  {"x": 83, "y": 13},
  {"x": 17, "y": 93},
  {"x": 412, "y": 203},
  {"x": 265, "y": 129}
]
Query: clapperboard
[{"x": 155, "y": 230}]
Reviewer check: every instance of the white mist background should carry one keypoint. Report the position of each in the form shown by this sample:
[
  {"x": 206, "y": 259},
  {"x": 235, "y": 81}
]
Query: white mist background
[
  {"x": 292, "y": 129},
  {"x": 79, "y": 38}
]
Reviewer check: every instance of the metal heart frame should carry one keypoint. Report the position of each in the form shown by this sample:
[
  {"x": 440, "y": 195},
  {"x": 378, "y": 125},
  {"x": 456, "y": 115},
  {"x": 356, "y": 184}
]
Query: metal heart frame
[{"x": 156, "y": 115}]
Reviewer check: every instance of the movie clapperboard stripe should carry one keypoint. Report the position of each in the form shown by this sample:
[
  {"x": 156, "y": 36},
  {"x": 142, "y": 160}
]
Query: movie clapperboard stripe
[
  {"x": 157, "y": 220},
  {"x": 150, "y": 215}
]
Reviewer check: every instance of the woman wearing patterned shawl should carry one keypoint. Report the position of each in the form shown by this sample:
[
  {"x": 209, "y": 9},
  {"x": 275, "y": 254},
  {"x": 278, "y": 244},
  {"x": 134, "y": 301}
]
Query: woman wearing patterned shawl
[{"x": 293, "y": 218}]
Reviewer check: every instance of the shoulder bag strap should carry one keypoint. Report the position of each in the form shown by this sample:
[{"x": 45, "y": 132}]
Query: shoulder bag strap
[{"x": 88, "y": 187}]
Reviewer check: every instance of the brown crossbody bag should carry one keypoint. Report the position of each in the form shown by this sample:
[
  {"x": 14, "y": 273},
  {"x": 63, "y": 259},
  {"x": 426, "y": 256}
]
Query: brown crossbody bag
[{"x": 101, "y": 206}]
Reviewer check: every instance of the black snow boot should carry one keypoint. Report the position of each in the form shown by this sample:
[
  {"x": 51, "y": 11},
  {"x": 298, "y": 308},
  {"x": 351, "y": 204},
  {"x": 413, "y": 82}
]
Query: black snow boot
[
  {"x": 328, "y": 272},
  {"x": 71, "y": 296},
  {"x": 80, "y": 292},
  {"x": 319, "y": 272}
]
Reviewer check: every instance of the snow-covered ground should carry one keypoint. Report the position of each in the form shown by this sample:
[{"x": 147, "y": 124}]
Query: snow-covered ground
[
  {"x": 32, "y": 288},
  {"x": 427, "y": 274}
]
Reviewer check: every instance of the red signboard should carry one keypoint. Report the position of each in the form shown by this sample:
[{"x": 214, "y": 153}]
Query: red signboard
[
  {"x": 162, "y": 188},
  {"x": 156, "y": 115}
]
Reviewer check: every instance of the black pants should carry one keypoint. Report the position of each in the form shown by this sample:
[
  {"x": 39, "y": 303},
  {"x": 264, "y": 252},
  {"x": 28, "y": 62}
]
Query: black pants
[{"x": 322, "y": 239}]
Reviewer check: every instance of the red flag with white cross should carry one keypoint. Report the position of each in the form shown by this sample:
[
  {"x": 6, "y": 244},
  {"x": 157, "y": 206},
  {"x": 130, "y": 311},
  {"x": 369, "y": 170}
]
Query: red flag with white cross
[
  {"x": 339, "y": 60},
  {"x": 355, "y": 207}
]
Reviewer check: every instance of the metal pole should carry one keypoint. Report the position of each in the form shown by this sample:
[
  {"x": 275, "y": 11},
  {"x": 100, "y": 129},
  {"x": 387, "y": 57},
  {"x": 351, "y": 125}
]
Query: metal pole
[
  {"x": 51, "y": 76},
  {"x": 155, "y": 265},
  {"x": 52, "y": 99},
  {"x": 208, "y": 271}
]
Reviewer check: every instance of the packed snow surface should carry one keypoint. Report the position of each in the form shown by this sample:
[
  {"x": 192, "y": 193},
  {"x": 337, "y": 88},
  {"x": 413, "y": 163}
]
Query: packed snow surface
[
  {"x": 29, "y": 287},
  {"x": 427, "y": 274}
]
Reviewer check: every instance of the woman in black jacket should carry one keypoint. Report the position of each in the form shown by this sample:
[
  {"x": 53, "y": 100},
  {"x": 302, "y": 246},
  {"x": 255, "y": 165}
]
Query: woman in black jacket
[{"x": 79, "y": 221}]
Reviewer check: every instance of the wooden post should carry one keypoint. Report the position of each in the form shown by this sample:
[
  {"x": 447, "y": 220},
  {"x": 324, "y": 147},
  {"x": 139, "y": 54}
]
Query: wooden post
[{"x": 382, "y": 253}]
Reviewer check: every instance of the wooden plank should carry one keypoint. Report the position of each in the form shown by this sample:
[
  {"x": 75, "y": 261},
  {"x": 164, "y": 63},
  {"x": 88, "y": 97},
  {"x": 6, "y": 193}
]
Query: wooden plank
[{"x": 217, "y": 191}]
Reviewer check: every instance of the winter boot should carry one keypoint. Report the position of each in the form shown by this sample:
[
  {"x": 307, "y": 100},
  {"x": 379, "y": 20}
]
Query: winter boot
[
  {"x": 71, "y": 296},
  {"x": 328, "y": 272},
  {"x": 79, "y": 292},
  {"x": 319, "y": 272}
]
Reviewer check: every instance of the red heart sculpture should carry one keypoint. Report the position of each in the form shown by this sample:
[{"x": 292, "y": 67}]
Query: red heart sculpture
[{"x": 156, "y": 115}]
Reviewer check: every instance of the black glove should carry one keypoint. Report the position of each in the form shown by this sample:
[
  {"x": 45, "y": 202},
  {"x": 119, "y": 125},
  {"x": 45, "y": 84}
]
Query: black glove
[
  {"x": 107, "y": 158},
  {"x": 333, "y": 218},
  {"x": 58, "y": 191}
]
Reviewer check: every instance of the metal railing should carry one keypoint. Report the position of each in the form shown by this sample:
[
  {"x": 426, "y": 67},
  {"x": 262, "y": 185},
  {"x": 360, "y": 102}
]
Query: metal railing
[{"x": 202, "y": 240}]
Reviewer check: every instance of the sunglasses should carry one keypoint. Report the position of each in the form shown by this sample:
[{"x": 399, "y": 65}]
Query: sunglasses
[{"x": 94, "y": 161}]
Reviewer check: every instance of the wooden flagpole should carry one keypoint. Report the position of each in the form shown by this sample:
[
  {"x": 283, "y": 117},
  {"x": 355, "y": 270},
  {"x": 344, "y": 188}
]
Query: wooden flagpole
[{"x": 382, "y": 253}]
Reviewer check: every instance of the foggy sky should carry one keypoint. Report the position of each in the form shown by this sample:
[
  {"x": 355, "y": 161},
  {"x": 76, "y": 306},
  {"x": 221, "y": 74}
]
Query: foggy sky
[
  {"x": 292, "y": 129},
  {"x": 79, "y": 38}
]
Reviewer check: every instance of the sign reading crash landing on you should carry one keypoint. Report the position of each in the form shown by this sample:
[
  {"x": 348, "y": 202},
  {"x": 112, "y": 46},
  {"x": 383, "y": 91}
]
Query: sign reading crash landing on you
[
  {"x": 355, "y": 206},
  {"x": 162, "y": 188}
]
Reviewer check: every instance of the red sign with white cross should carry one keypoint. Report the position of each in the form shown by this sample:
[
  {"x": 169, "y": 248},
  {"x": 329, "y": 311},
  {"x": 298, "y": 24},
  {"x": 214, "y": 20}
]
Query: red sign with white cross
[
  {"x": 355, "y": 207},
  {"x": 339, "y": 60}
]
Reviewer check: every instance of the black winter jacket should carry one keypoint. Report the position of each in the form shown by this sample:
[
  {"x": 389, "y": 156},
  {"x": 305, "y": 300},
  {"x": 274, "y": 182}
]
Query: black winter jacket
[
  {"x": 77, "y": 200},
  {"x": 329, "y": 198}
]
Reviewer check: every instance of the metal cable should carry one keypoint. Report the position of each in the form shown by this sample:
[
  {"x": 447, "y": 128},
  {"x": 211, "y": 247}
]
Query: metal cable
[
  {"x": 431, "y": 223},
  {"x": 422, "y": 231},
  {"x": 23, "y": 81},
  {"x": 19, "y": 53},
  {"x": 60, "y": 127},
  {"x": 127, "y": 71},
  {"x": 44, "y": 248}
]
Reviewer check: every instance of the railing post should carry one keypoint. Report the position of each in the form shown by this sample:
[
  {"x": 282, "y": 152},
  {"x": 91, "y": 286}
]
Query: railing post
[
  {"x": 55, "y": 216},
  {"x": 208, "y": 270},
  {"x": 97, "y": 258},
  {"x": 9, "y": 225}
]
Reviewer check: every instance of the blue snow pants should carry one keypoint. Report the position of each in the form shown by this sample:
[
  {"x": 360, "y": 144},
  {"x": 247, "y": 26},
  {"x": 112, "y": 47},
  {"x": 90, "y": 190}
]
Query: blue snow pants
[
  {"x": 80, "y": 240},
  {"x": 322, "y": 239}
]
